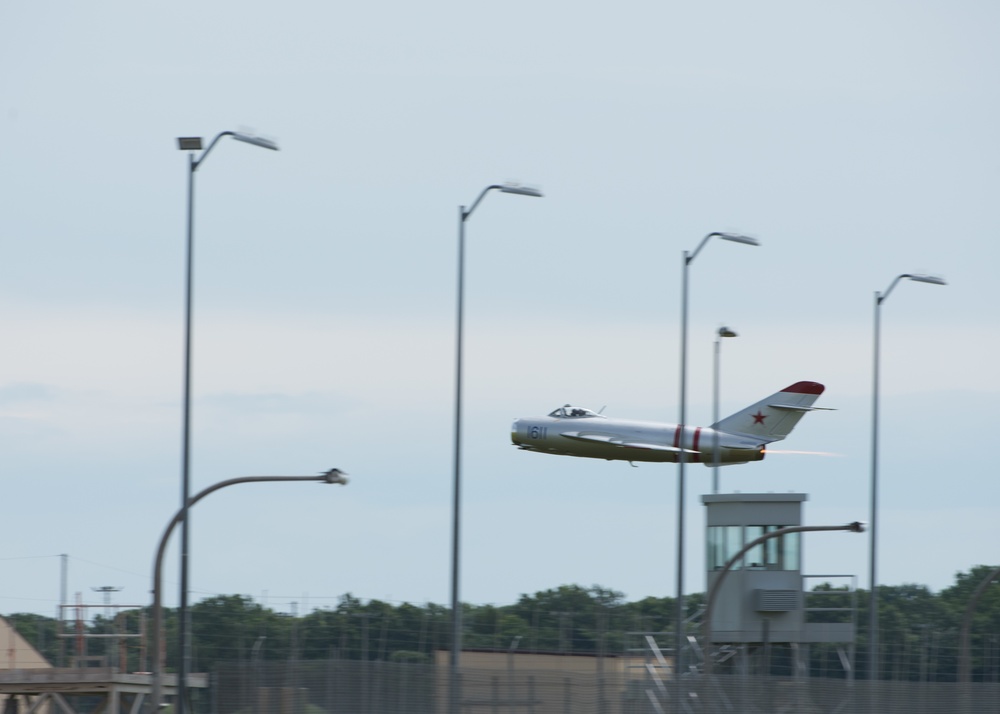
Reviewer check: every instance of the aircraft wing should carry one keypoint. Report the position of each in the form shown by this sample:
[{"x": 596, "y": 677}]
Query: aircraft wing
[{"x": 611, "y": 440}]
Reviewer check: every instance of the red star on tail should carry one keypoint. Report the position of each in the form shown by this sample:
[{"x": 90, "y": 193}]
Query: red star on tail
[{"x": 759, "y": 417}]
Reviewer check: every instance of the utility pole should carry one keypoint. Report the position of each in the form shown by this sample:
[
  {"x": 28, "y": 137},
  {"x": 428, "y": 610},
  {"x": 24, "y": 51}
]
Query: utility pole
[
  {"x": 110, "y": 652},
  {"x": 365, "y": 693},
  {"x": 563, "y": 617},
  {"x": 107, "y": 590},
  {"x": 63, "y": 603}
]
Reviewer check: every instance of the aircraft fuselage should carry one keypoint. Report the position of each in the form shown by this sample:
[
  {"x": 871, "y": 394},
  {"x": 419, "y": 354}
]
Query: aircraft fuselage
[
  {"x": 737, "y": 439},
  {"x": 599, "y": 437}
]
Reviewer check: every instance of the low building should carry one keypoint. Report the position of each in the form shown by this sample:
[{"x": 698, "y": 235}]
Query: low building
[
  {"x": 16, "y": 652},
  {"x": 548, "y": 682}
]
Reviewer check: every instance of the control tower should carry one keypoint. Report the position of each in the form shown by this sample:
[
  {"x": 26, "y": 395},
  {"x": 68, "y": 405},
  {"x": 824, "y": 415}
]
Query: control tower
[{"x": 762, "y": 601}]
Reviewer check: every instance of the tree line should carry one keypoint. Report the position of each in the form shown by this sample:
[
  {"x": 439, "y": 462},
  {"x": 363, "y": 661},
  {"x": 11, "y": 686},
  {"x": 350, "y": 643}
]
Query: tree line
[{"x": 918, "y": 629}]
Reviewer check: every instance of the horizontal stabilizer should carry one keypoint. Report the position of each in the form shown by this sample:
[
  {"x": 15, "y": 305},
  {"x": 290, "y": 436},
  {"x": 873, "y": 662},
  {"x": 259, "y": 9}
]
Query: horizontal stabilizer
[{"x": 796, "y": 408}]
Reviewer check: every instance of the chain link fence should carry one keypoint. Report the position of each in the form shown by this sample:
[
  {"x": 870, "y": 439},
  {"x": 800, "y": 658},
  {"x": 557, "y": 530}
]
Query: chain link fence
[{"x": 378, "y": 687}]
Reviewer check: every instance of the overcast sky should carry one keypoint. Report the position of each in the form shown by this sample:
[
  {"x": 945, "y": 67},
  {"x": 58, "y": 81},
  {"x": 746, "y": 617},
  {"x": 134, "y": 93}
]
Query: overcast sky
[{"x": 856, "y": 140}]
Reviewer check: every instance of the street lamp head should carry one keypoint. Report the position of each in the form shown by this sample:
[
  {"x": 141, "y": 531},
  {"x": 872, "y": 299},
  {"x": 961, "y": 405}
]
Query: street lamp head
[
  {"x": 738, "y": 238},
  {"x": 727, "y": 332},
  {"x": 932, "y": 279},
  {"x": 918, "y": 277},
  {"x": 856, "y": 527},
  {"x": 189, "y": 143},
  {"x": 521, "y": 190},
  {"x": 733, "y": 237},
  {"x": 255, "y": 140},
  {"x": 335, "y": 476}
]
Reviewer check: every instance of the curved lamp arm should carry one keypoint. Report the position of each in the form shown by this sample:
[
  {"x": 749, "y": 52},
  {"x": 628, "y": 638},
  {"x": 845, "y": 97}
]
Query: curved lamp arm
[{"x": 331, "y": 476}]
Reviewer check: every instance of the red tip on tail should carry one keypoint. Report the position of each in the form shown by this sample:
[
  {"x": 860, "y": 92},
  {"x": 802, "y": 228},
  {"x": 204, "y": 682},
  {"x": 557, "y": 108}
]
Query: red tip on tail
[{"x": 805, "y": 388}]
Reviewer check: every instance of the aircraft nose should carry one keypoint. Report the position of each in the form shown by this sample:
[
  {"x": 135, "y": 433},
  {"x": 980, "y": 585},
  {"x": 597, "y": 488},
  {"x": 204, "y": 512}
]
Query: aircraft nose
[{"x": 514, "y": 432}]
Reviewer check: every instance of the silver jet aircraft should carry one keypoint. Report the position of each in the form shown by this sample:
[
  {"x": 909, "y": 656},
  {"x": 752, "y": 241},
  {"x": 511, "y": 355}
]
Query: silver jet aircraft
[{"x": 737, "y": 439}]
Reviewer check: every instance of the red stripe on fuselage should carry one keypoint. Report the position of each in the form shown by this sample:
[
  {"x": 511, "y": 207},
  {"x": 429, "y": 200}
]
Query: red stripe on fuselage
[
  {"x": 677, "y": 437},
  {"x": 694, "y": 446}
]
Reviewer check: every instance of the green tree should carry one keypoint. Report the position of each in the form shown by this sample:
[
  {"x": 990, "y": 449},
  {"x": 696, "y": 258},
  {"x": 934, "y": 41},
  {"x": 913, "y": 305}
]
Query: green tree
[
  {"x": 41, "y": 633},
  {"x": 226, "y": 627}
]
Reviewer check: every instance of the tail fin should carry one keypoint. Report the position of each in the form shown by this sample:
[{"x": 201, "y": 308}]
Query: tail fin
[{"x": 773, "y": 419}]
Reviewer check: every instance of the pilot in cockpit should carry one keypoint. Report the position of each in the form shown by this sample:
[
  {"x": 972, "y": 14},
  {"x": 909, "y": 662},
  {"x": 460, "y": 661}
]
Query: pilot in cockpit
[{"x": 570, "y": 411}]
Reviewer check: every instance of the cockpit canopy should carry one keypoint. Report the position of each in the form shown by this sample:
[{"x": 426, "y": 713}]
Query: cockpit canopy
[{"x": 568, "y": 411}]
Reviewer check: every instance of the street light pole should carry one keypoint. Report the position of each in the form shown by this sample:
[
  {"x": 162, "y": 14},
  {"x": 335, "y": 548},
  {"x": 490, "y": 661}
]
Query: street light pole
[
  {"x": 716, "y": 457},
  {"x": 193, "y": 144},
  {"x": 456, "y": 610},
  {"x": 159, "y": 661},
  {"x": 873, "y": 583},
  {"x": 680, "y": 442}
]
